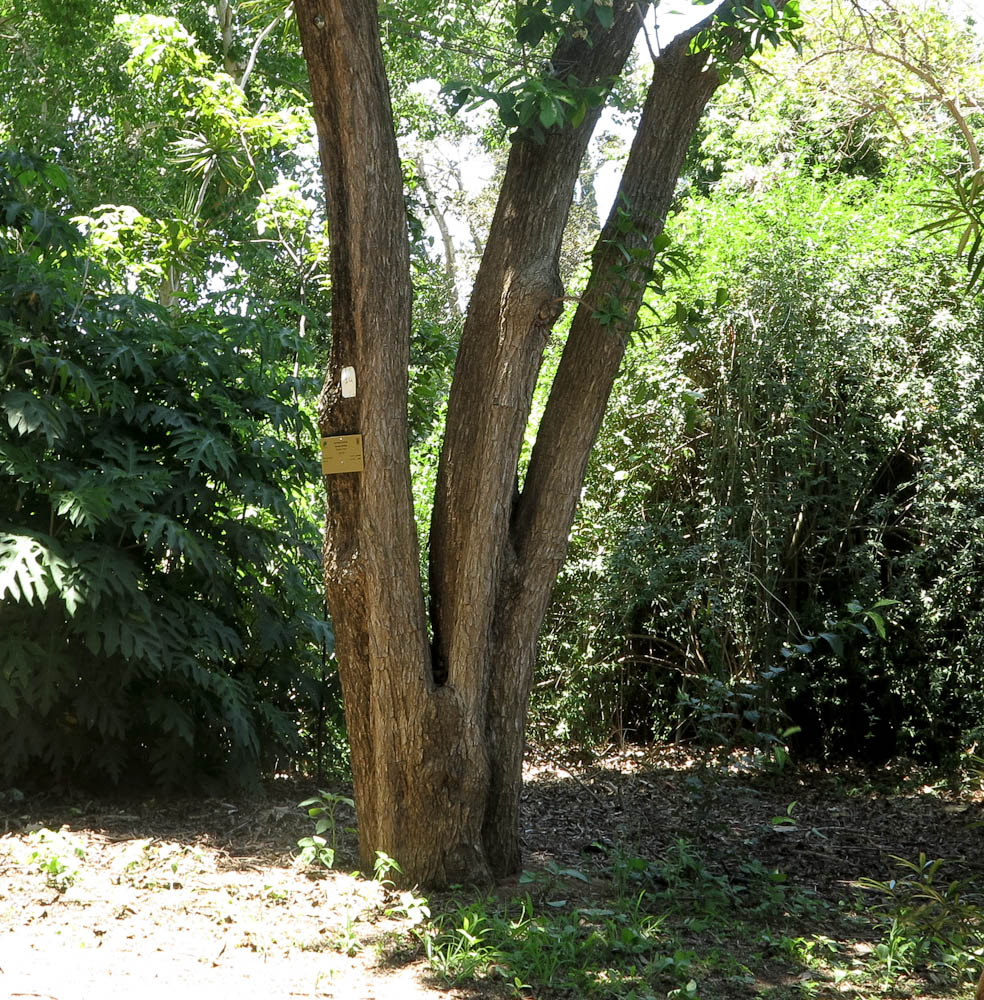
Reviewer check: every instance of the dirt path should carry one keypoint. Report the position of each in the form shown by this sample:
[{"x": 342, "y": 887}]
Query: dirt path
[{"x": 161, "y": 901}]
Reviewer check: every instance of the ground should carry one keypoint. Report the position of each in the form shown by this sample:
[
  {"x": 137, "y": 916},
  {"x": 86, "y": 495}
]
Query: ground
[{"x": 205, "y": 898}]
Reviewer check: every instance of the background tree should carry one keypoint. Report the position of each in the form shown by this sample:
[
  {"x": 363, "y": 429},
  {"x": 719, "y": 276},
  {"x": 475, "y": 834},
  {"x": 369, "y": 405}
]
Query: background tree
[{"x": 160, "y": 616}]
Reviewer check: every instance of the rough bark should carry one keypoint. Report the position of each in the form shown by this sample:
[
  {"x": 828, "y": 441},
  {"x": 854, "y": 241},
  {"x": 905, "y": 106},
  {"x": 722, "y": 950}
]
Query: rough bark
[
  {"x": 544, "y": 512},
  {"x": 437, "y": 729},
  {"x": 514, "y": 304},
  {"x": 371, "y": 558}
]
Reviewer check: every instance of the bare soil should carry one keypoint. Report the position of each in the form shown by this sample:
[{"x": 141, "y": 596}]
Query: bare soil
[{"x": 203, "y": 898}]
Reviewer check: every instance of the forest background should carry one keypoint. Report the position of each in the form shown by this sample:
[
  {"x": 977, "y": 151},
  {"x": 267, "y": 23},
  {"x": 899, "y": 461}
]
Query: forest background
[{"x": 778, "y": 545}]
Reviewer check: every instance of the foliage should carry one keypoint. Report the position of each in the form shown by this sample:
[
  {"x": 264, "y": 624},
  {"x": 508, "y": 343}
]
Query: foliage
[
  {"x": 890, "y": 90},
  {"x": 960, "y": 207},
  {"x": 593, "y": 951},
  {"x": 775, "y": 534},
  {"x": 779, "y": 459},
  {"x": 646, "y": 936},
  {"x": 927, "y": 922},
  {"x": 319, "y": 849},
  {"x": 157, "y": 620},
  {"x": 530, "y": 103},
  {"x": 932, "y": 59},
  {"x": 759, "y": 23},
  {"x": 171, "y": 145},
  {"x": 527, "y": 100},
  {"x": 691, "y": 923},
  {"x": 56, "y": 857}
]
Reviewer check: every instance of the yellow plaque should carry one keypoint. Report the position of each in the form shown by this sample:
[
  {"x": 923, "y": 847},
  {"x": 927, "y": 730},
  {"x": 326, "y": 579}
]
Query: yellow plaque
[{"x": 341, "y": 454}]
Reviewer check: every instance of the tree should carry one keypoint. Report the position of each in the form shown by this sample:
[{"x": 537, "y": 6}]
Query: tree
[
  {"x": 178, "y": 128},
  {"x": 436, "y": 686},
  {"x": 901, "y": 61}
]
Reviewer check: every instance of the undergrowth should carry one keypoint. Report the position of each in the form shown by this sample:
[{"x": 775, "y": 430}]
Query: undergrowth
[
  {"x": 706, "y": 920},
  {"x": 631, "y": 928},
  {"x": 159, "y": 617},
  {"x": 691, "y": 926}
]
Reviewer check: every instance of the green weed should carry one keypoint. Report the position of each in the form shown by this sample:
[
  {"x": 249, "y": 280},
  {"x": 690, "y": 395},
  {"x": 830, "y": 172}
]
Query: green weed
[
  {"x": 319, "y": 849},
  {"x": 56, "y": 857},
  {"x": 927, "y": 923}
]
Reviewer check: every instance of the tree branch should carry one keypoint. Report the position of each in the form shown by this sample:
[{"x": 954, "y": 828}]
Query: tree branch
[
  {"x": 515, "y": 302},
  {"x": 681, "y": 87},
  {"x": 255, "y": 50}
]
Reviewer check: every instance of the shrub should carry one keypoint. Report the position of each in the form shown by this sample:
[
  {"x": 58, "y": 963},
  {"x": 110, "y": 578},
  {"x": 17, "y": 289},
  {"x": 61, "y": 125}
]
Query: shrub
[
  {"x": 777, "y": 460},
  {"x": 160, "y": 609}
]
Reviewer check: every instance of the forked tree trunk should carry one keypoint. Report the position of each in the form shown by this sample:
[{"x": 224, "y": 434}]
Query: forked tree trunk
[{"x": 437, "y": 724}]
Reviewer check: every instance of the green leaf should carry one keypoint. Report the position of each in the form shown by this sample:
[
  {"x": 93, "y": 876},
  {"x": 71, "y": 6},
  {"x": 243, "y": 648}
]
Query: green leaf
[
  {"x": 531, "y": 32},
  {"x": 605, "y": 14},
  {"x": 877, "y": 620},
  {"x": 550, "y": 112},
  {"x": 25, "y": 568}
]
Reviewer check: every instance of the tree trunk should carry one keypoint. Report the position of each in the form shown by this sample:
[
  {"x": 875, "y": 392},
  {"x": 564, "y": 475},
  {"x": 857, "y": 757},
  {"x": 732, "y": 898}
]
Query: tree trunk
[
  {"x": 436, "y": 727},
  {"x": 543, "y": 514}
]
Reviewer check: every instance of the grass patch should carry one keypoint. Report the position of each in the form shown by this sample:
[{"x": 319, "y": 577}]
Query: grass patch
[{"x": 694, "y": 927}]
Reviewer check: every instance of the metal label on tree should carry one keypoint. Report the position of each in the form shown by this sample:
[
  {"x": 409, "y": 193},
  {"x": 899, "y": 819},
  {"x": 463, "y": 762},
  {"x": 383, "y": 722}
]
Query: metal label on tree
[{"x": 341, "y": 454}]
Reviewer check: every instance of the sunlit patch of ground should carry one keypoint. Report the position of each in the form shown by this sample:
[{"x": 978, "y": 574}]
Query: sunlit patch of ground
[{"x": 105, "y": 906}]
